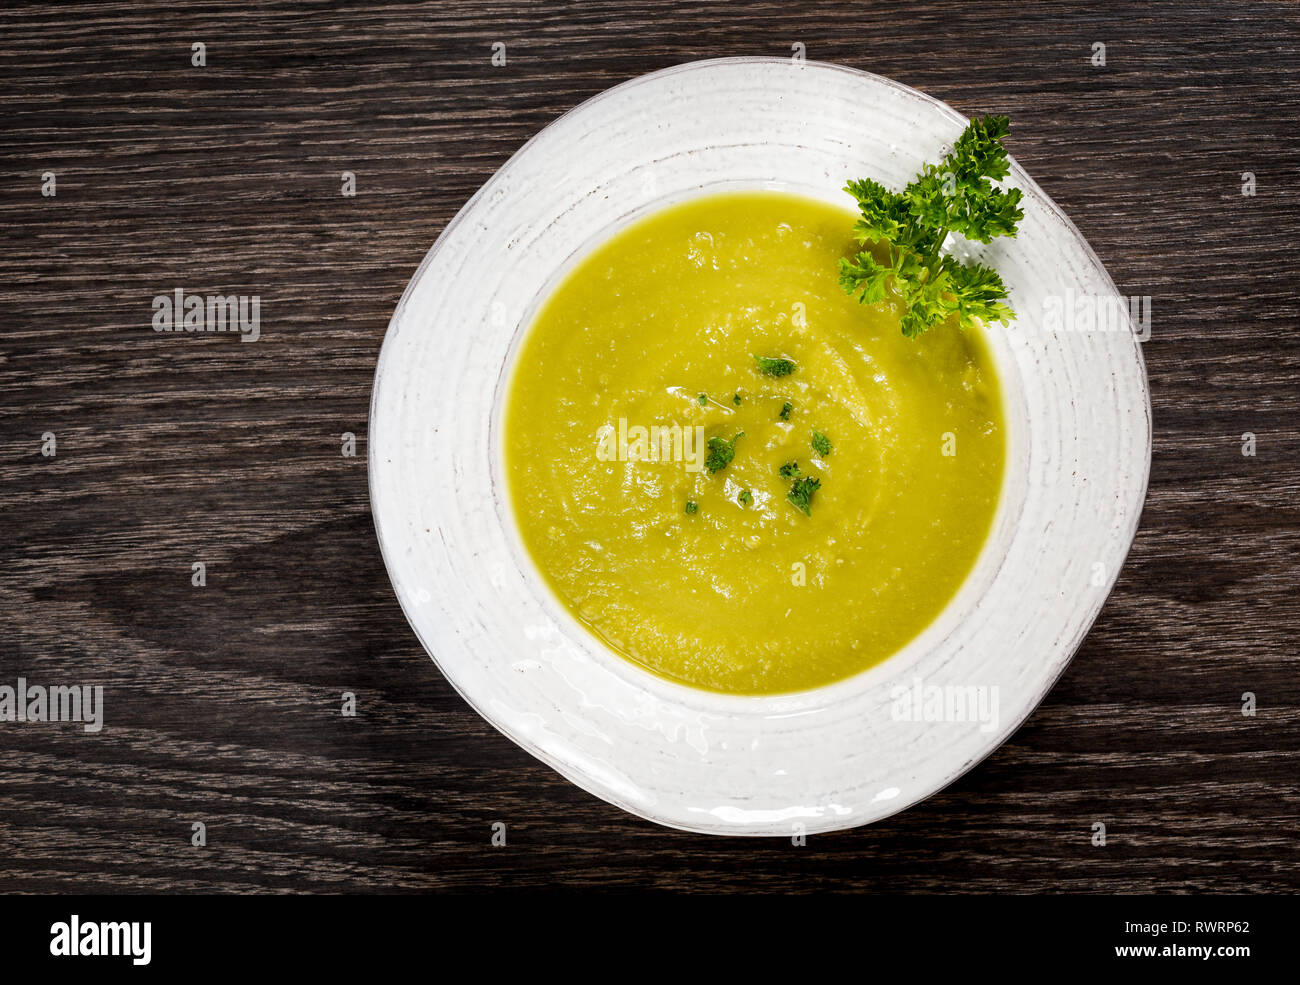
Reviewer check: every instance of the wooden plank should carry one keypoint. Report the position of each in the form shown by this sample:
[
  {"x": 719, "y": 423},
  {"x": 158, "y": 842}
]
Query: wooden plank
[{"x": 224, "y": 700}]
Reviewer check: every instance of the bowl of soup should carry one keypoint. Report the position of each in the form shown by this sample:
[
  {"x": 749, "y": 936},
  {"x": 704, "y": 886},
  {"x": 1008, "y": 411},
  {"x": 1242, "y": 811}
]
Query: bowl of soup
[{"x": 711, "y": 538}]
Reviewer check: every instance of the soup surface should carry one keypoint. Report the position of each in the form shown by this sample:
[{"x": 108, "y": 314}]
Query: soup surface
[{"x": 721, "y": 572}]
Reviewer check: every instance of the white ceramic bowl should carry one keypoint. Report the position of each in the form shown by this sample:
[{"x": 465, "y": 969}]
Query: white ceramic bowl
[{"x": 1078, "y": 422}]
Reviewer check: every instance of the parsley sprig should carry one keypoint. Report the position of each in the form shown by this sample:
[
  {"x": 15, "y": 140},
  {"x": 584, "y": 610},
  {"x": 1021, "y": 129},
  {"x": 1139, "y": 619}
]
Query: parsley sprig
[
  {"x": 774, "y": 366},
  {"x": 801, "y": 493},
  {"x": 721, "y": 452},
  {"x": 957, "y": 195}
]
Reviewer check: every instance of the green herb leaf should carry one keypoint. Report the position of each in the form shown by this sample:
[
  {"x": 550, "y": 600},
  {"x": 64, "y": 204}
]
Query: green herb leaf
[
  {"x": 821, "y": 444},
  {"x": 746, "y": 497},
  {"x": 957, "y": 195},
  {"x": 790, "y": 470},
  {"x": 785, "y": 412},
  {"x": 721, "y": 452},
  {"x": 801, "y": 494},
  {"x": 691, "y": 507},
  {"x": 736, "y": 399},
  {"x": 704, "y": 399},
  {"x": 773, "y": 366}
]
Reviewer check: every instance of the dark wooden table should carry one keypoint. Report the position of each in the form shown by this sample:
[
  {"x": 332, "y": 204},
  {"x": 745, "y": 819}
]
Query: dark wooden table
[{"x": 223, "y": 701}]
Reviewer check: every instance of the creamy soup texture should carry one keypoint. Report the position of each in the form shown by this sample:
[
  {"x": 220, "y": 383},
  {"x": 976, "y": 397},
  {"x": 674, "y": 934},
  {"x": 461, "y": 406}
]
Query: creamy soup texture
[{"x": 718, "y": 578}]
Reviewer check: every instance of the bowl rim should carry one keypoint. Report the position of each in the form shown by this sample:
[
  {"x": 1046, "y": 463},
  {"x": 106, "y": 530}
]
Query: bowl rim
[{"x": 1068, "y": 650}]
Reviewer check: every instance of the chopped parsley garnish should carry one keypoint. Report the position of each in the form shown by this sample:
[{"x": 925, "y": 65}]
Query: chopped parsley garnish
[
  {"x": 736, "y": 399},
  {"x": 790, "y": 470},
  {"x": 746, "y": 496},
  {"x": 785, "y": 412},
  {"x": 956, "y": 195},
  {"x": 801, "y": 494},
  {"x": 821, "y": 444},
  {"x": 772, "y": 366},
  {"x": 691, "y": 507},
  {"x": 721, "y": 452},
  {"x": 704, "y": 399}
]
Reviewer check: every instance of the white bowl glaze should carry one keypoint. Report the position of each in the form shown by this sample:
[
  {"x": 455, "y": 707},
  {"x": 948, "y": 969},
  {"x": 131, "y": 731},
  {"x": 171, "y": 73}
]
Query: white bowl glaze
[{"x": 1078, "y": 421}]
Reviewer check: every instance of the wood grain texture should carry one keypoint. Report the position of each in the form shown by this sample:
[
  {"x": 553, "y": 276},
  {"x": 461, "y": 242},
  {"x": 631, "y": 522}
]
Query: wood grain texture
[{"x": 223, "y": 701}]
